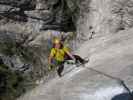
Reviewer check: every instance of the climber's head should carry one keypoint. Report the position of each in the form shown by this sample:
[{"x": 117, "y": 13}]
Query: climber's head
[{"x": 57, "y": 43}]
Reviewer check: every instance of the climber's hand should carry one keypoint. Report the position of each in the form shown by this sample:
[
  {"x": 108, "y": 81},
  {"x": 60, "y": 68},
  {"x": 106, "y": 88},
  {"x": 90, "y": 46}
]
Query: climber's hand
[
  {"x": 74, "y": 60},
  {"x": 50, "y": 67}
]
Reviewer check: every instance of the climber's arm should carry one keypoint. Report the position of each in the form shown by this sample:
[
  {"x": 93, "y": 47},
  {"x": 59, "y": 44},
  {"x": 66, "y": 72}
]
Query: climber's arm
[
  {"x": 49, "y": 59},
  {"x": 67, "y": 50},
  {"x": 71, "y": 55}
]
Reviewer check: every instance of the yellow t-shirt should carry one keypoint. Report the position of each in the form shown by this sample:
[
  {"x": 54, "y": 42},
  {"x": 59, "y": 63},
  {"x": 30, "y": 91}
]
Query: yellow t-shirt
[{"x": 59, "y": 54}]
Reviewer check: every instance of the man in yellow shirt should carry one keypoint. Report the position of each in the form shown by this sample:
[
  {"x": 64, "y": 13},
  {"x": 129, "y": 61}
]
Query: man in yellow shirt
[{"x": 59, "y": 54}]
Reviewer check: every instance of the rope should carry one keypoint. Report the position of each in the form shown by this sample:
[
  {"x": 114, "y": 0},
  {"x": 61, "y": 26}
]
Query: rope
[{"x": 112, "y": 77}]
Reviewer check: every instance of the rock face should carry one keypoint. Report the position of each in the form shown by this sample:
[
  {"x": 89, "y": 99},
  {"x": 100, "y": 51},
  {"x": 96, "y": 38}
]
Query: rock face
[
  {"x": 107, "y": 76},
  {"x": 25, "y": 27},
  {"x": 106, "y": 25},
  {"x": 60, "y": 17},
  {"x": 55, "y": 15},
  {"x": 104, "y": 17}
]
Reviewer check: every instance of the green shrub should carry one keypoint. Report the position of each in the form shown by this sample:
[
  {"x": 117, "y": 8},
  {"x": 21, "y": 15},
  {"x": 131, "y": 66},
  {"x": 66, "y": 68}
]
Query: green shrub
[
  {"x": 10, "y": 48},
  {"x": 11, "y": 84}
]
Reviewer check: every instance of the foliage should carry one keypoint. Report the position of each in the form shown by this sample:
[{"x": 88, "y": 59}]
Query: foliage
[
  {"x": 10, "y": 48},
  {"x": 11, "y": 83}
]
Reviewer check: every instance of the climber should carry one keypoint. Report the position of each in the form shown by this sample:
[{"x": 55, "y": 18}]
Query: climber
[{"x": 59, "y": 54}]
